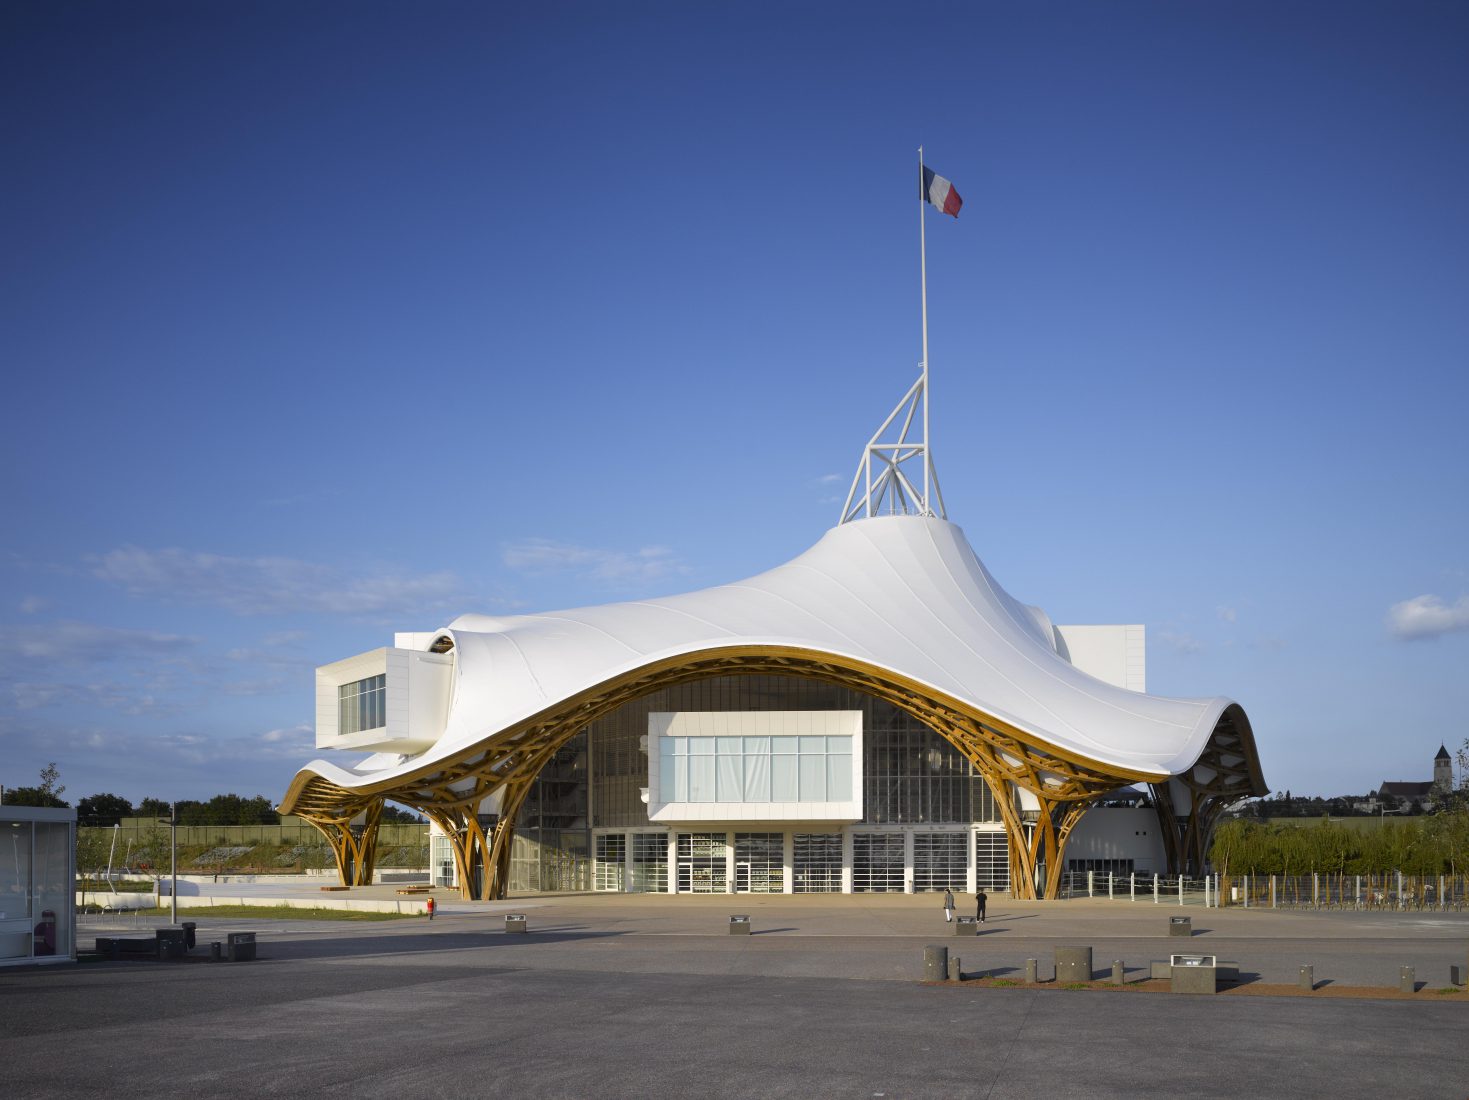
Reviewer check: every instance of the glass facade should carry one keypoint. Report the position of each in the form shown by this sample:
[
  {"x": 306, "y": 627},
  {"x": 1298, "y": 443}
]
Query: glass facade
[
  {"x": 585, "y": 824},
  {"x": 37, "y": 888},
  {"x": 911, "y": 774},
  {"x": 362, "y": 705},
  {"x": 992, "y": 860},
  {"x": 816, "y": 863},
  {"x": 759, "y": 863},
  {"x": 940, "y": 861},
  {"x": 702, "y": 867},
  {"x": 878, "y": 863},
  {"x": 756, "y": 769}
]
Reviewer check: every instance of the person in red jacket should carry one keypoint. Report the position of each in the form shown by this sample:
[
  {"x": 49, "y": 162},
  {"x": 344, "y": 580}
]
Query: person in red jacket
[{"x": 431, "y": 908}]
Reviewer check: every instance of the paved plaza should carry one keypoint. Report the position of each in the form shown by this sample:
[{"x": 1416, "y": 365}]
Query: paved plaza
[{"x": 650, "y": 996}]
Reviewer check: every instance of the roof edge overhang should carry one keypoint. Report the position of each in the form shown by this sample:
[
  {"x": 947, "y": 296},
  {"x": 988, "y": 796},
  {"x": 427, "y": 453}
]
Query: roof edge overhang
[{"x": 343, "y": 787}]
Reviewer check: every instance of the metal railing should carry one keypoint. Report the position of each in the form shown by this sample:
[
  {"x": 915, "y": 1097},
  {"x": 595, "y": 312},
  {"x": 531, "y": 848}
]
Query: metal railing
[{"x": 1384, "y": 892}]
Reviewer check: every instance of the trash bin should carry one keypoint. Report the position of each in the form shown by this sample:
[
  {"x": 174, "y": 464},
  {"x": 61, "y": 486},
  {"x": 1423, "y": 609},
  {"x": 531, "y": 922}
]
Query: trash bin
[
  {"x": 188, "y": 926},
  {"x": 739, "y": 926},
  {"x": 1180, "y": 926},
  {"x": 171, "y": 943},
  {"x": 240, "y": 946},
  {"x": 966, "y": 926},
  {"x": 515, "y": 922}
]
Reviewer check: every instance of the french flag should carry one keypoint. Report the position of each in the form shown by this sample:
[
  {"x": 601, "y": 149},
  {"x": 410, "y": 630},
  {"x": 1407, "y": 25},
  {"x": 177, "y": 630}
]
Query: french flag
[{"x": 941, "y": 193}]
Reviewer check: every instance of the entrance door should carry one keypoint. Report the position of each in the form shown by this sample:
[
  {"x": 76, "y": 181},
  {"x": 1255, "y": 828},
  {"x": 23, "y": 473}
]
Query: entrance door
[{"x": 742, "y": 878}]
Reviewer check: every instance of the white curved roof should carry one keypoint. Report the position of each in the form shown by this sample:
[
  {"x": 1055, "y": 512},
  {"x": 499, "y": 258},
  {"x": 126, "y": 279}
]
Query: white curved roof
[{"x": 905, "y": 593}]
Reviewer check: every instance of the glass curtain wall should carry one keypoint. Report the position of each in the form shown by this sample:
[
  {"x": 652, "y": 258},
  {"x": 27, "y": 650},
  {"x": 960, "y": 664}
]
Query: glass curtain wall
[
  {"x": 877, "y": 863},
  {"x": 940, "y": 861},
  {"x": 992, "y": 861},
  {"x": 912, "y": 775},
  {"x": 759, "y": 863},
  {"x": 701, "y": 863},
  {"x": 37, "y": 890},
  {"x": 816, "y": 863},
  {"x": 647, "y": 863}
]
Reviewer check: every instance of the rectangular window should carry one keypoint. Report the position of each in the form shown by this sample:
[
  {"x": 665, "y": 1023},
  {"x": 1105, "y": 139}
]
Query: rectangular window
[
  {"x": 362, "y": 705},
  {"x": 755, "y": 769}
]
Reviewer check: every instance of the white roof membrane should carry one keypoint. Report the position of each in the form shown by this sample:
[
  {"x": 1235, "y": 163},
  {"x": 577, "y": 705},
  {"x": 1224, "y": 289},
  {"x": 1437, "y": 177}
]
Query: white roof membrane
[{"x": 904, "y": 593}]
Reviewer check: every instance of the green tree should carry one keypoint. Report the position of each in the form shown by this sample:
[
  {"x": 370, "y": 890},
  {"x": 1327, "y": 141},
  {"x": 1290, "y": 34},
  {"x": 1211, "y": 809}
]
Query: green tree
[
  {"x": 46, "y": 793},
  {"x": 103, "y": 809}
]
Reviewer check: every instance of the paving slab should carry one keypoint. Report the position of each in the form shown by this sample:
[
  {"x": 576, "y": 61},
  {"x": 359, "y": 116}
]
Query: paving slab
[{"x": 618, "y": 996}]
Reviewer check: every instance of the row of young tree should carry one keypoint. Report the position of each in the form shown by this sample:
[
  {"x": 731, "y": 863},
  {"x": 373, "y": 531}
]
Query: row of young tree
[
  {"x": 109, "y": 809},
  {"x": 1434, "y": 845}
]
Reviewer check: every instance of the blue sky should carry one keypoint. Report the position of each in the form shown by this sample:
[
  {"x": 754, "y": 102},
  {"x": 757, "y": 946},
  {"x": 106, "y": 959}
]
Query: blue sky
[{"x": 324, "y": 321}]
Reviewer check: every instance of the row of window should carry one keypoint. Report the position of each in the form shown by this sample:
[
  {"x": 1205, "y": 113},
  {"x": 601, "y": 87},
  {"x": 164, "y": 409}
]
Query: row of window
[
  {"x": 638, "y": 862},
  {"x": 362, "y": 705},
  {"x": 756, "y": 769}
]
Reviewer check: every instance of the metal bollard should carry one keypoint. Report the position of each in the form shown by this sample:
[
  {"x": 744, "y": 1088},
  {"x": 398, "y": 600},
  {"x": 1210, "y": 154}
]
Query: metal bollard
[
  {"x": 1118, "y": 972},
  {"x": 955, "y": 973},
  {"x": 1031, "y": 966},
  {"x": 1308, "y": 978},
  {"x": 1406, "y": 982},
  {"x": 935, "y": 963}
]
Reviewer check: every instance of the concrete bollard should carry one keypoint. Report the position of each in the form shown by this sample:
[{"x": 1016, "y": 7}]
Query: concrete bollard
[
  {"x": 1456, "y": 975},
  {"x": 1118, "y": 972},
  {"x": 1407, "y": 982},
  {"x": 935, "y": 963},
  {"x": 1031, "y": 967},
  {"x": 955, "y": 973},
  {"x": 1073, "y": 964},
  {"x": 1308, "y": 978},
  {"x": 216, "y": 952}
]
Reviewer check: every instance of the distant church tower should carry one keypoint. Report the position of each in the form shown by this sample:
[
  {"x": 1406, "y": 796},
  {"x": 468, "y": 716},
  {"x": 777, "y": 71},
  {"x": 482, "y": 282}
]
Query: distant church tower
[{"x": 1443, "y": 771}]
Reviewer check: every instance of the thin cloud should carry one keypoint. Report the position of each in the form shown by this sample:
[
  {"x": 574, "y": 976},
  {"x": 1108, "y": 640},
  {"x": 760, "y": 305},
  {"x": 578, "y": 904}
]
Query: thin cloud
[
  {"x": 542, "y": 556},
  {"x": 1183, "y": 643},
  {"x": 1427, "y": 617},
  {"x": 33, "y": 605},
  {"x": 76, "y": 643},
  {"x": 273, "y": 585},
  {"x": 1227, "y": 614}
]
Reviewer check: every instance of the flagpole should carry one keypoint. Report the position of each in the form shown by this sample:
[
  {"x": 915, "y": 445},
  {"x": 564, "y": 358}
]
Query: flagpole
[{"x": 923, "y": 266}]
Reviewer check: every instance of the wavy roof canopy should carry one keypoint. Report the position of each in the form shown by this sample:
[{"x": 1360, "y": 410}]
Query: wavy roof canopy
[{"x": 904, "y": 593}]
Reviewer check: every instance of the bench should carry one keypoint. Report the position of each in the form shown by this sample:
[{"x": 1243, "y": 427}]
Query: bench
[
  {"x": 334, "y": 887},
  {"x": 415, "y": 889}
]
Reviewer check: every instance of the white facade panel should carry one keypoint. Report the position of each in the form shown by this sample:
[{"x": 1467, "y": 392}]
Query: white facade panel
[
  {"x": 1113, "y": 654},
  {"x": 1116, "y": 833},
  {"x": 416, "y": 707}
]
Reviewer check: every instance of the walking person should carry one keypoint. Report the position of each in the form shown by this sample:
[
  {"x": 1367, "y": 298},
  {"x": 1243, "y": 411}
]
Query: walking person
[
  {"x": 980, "y": 897},
  {"x": 431, "y": 908},
  {"x": 948, "y": 905}
]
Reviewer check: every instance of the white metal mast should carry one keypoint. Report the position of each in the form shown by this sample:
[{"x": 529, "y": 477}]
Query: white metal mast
[{"x": 889, "y": 484}]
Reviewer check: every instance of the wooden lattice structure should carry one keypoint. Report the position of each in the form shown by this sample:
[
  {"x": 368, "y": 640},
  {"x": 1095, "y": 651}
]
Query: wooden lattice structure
[{"x": 499, "y": 770}]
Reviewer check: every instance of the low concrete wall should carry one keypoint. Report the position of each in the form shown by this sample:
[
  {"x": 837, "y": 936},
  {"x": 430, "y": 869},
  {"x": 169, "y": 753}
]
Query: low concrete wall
[
  {"x": 121, "y": 902},
  {"x": 325, "y": 901}
]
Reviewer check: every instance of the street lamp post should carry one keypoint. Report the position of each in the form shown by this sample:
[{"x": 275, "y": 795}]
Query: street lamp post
[{"x": 173, "y": 860}]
